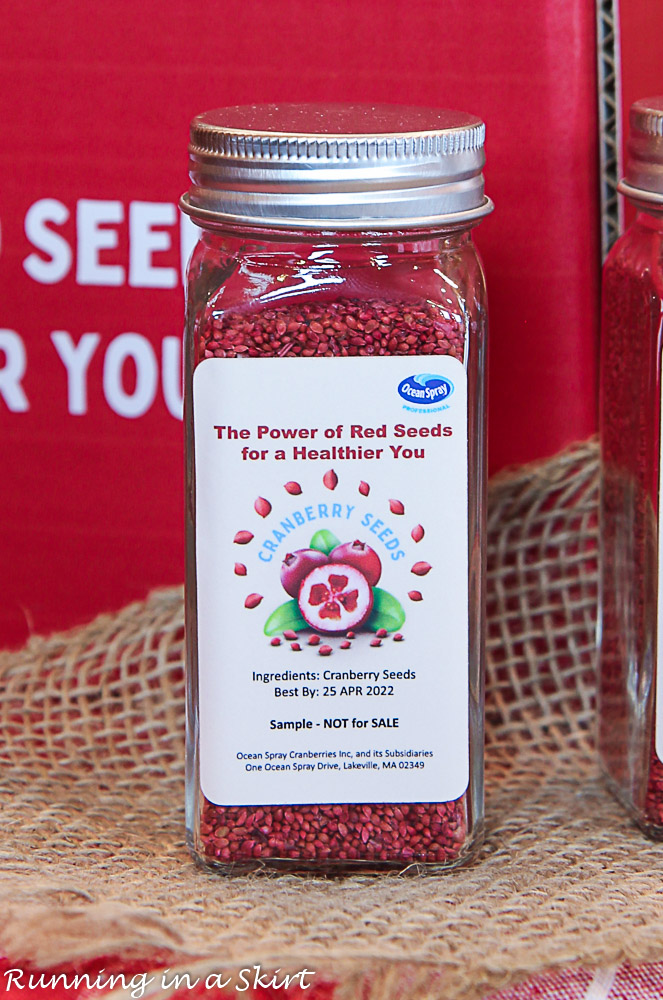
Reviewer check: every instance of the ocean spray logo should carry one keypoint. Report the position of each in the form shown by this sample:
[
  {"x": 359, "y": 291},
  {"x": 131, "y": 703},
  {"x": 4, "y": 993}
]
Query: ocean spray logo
[{"x": 426, "y": 389}]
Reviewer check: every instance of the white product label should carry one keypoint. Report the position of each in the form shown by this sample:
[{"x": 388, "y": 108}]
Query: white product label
[{"x": 342, "y": 676}]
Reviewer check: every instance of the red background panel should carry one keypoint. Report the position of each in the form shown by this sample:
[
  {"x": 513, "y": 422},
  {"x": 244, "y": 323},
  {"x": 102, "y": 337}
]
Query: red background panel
[{"x": 97, "y": 107}]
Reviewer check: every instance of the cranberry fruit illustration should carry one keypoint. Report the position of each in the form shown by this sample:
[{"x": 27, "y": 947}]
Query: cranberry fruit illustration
[
  {"x": 335, "y": 598},
  {"x": 362, "y": 557},
  {"x": 297, "y": 565}
]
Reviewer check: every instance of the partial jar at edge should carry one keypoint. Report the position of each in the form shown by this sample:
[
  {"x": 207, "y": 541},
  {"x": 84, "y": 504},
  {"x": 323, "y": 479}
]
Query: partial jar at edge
[
  {"x": 631, "y": 601},
  {"x": 275, "y": 297}
]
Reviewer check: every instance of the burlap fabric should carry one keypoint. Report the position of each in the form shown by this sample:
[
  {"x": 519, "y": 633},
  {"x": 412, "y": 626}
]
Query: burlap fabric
[{"x": 92, "y": 855}]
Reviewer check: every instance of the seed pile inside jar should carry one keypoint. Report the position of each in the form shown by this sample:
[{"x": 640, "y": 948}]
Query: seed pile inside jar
[
  {"x": 403, "y": 833},
  {"x": 398, "y": 833},
  {"x": 345, "y": 328}
]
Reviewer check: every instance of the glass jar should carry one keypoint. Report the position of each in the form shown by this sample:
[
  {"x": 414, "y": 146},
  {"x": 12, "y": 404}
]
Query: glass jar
[
  {"x": 335, "y": 513},
  {"x": 631, "y": 611}
]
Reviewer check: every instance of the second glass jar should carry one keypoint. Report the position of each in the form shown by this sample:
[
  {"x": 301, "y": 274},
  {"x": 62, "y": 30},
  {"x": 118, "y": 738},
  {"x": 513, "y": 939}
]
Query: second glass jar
[{"x": 631, "y": 626}]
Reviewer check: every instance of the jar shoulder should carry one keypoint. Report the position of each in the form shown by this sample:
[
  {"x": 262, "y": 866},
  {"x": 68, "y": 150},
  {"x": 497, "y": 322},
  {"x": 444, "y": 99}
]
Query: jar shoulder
[
  {"x": 234, "y": 274},
  {"x": 638, "y": 252}
]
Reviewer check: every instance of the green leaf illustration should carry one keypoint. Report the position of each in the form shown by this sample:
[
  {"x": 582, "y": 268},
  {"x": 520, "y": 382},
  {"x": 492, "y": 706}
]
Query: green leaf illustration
[
  {"x": 324, "y": 541},
  {"x": 387, "y": 612},
  {"x": 285, "y": 616}
]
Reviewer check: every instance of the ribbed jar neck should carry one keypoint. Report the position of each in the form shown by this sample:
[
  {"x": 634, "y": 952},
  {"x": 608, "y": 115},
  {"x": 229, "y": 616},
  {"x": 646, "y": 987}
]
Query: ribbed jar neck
[{"x": 213, "y": 235}]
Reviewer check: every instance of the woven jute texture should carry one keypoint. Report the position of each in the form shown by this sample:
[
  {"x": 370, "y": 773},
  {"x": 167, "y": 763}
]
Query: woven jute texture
[{"x": 92, "y": 853}]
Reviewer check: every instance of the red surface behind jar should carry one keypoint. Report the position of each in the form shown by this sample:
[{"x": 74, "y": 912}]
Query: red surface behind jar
[{"x": 92, "y": 501}]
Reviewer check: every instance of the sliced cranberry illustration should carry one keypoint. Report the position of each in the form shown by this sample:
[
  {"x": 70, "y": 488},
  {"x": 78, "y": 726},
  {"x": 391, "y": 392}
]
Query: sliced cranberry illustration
[{"x": 335, "y": 597}]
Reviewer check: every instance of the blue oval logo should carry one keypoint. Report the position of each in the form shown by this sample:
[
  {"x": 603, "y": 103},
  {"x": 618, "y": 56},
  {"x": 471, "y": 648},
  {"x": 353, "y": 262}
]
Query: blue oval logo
[{"x": 425, "y": 389}]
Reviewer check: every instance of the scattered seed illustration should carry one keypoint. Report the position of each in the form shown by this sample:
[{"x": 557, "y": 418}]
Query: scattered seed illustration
[
  {"x": 417, "y": 533},
  {"x": 376, "y": 642},
  {"x": 240, "y": 569},
  {"x": 313, "y": 640},
  {"x": 396, "y": 507},
  {"x": 275, "y": 641},
  {"x": 262, "y": 506},
  {"x": 364, "y": 488},
  {"x": 325, "y": 651},
  {"x": 330, "y": 479},
  {"x": 289, "y": 634},
  {"x": 295, "y": 645},
  {"x": 253, "y": 600},
  {"x": 293, "y": 488},
  {"x": 382, "y": 633},
  {"x": 415, "y": 595},
  {"x": 242, "y": 538},
  {"x": 345, "y": 644},
  {"x": 421, "y": 568},
  {"x": 398, "y": 637},
  {"x": 350, "y": 635}
]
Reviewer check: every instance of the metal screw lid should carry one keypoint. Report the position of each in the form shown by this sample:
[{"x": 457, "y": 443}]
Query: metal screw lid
[
  {"x": 336, "y": 167},
  {"x": 643, "y": 183}
]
